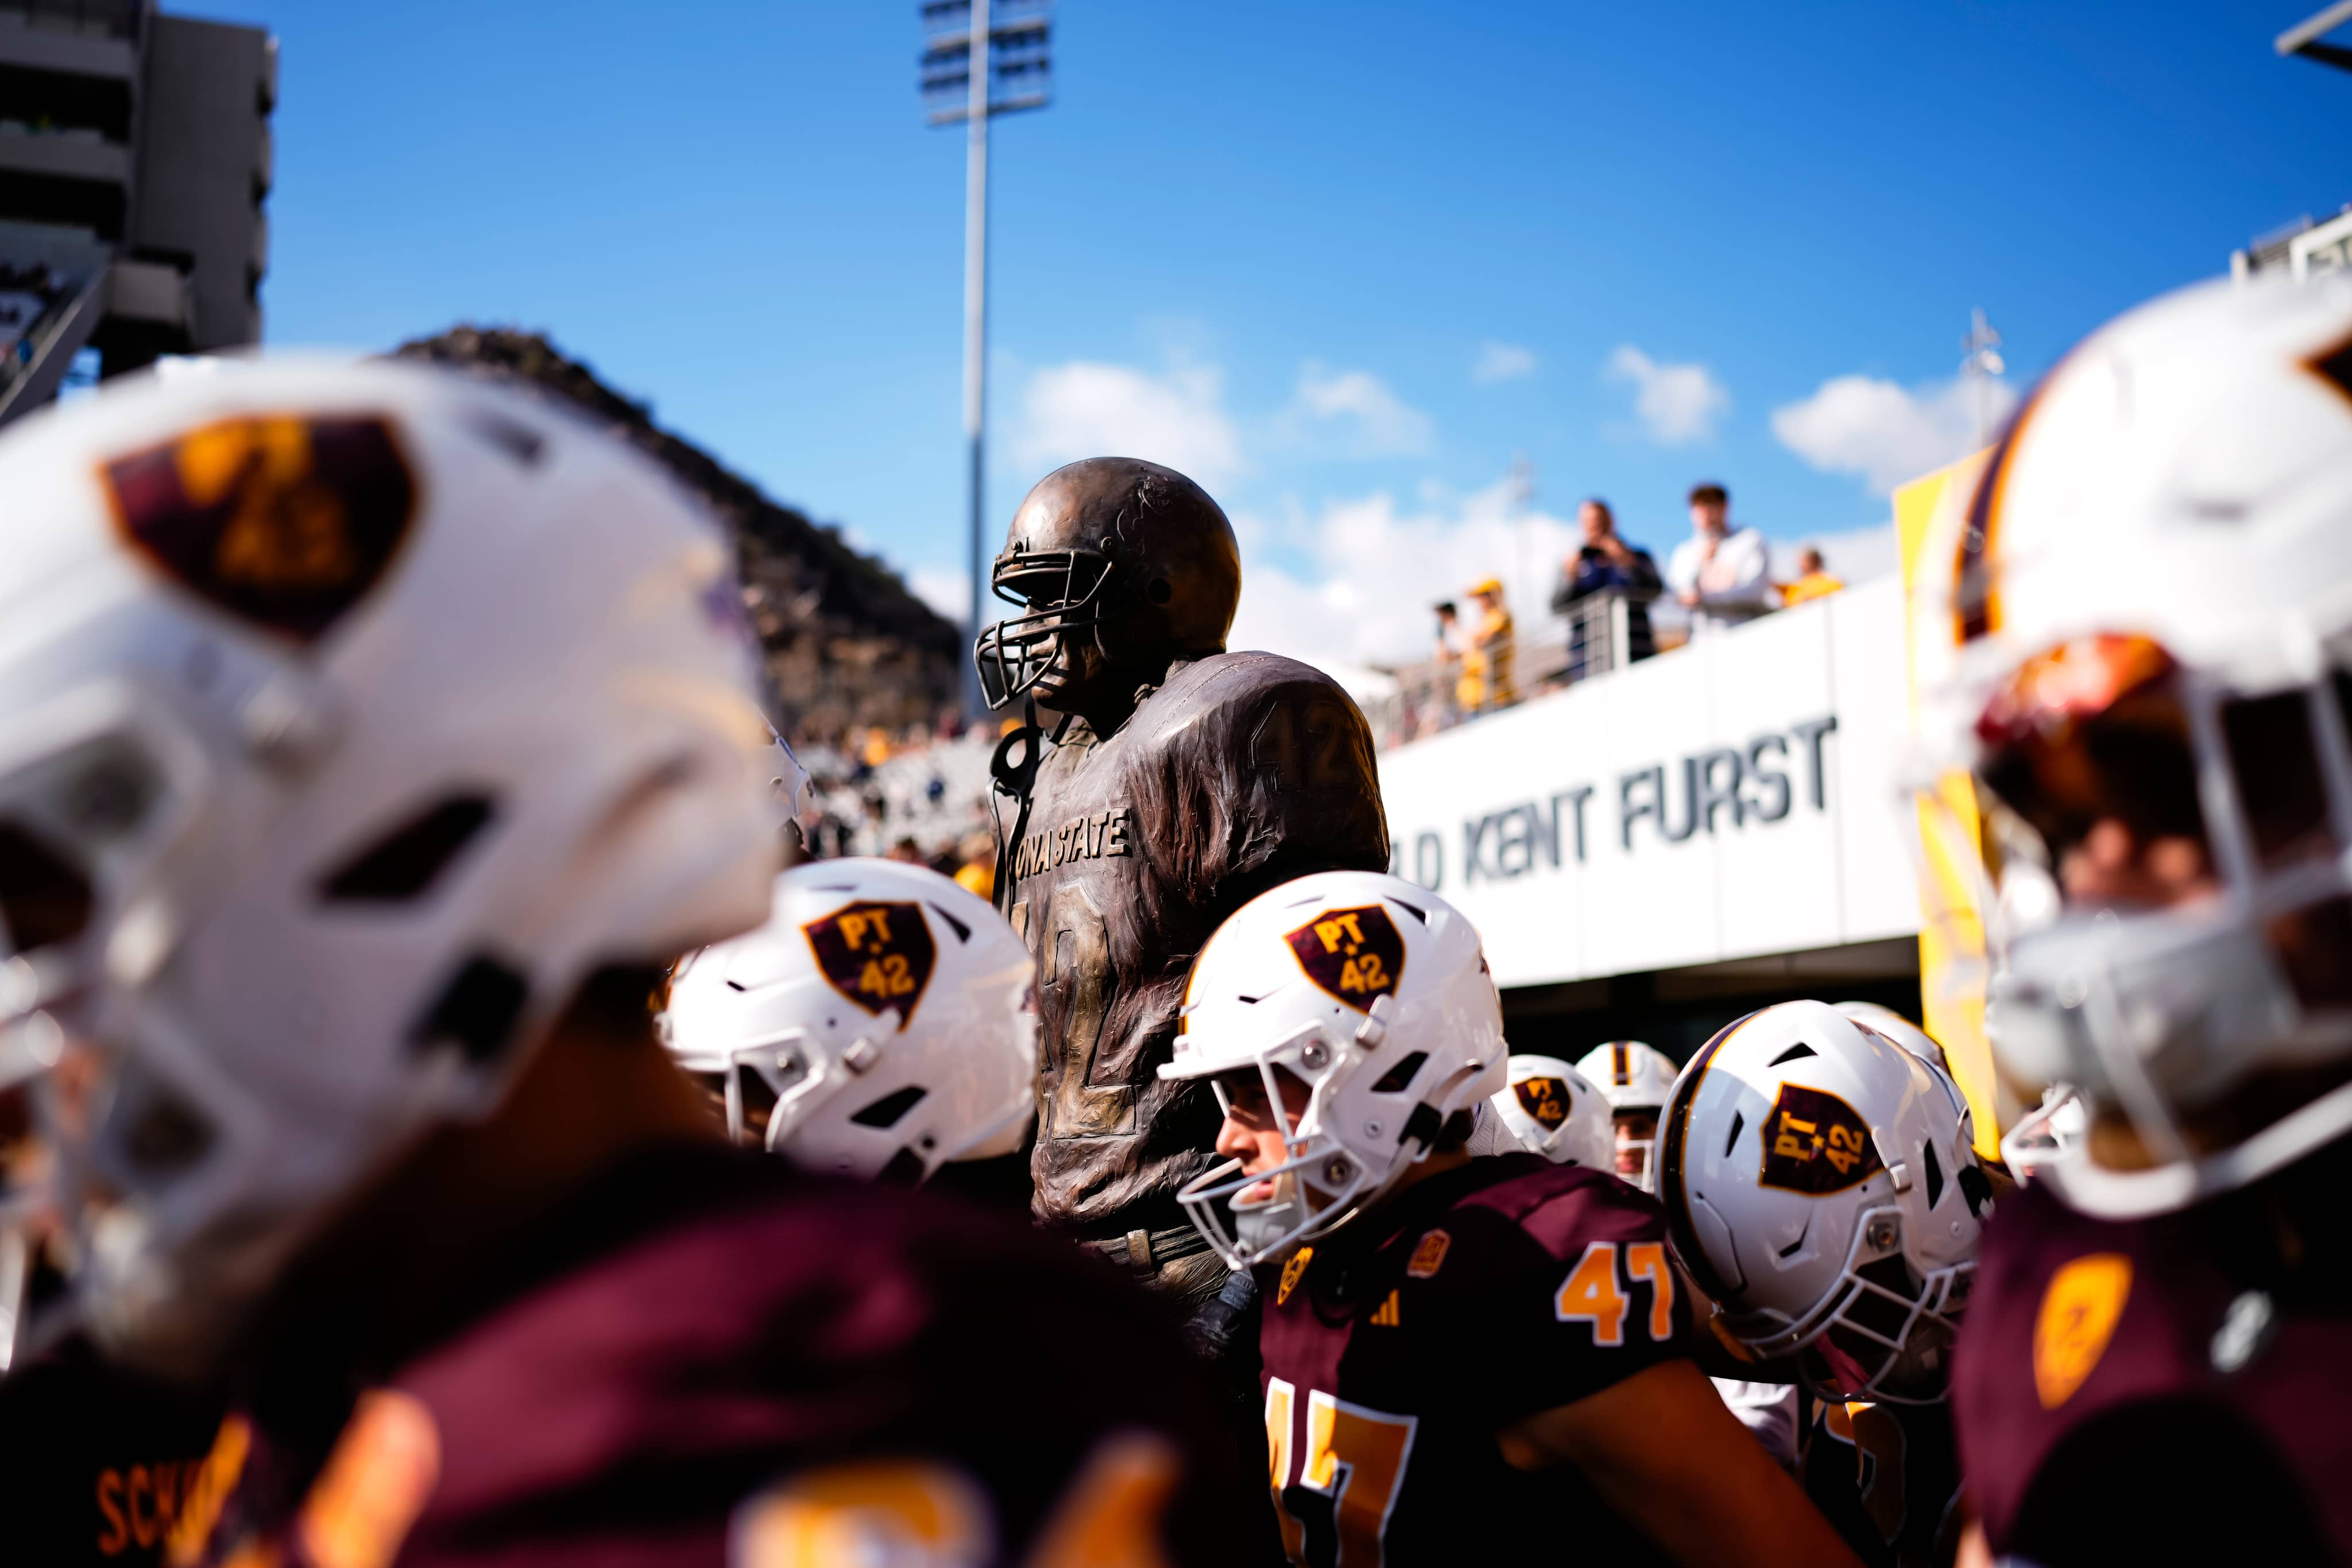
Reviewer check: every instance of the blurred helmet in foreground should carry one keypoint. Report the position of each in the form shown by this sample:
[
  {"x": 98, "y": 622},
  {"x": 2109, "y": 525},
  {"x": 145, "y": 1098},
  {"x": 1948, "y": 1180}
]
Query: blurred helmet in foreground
[
  {"x": 351, "y": 716},
  {"x": 2138, "y": 635}
]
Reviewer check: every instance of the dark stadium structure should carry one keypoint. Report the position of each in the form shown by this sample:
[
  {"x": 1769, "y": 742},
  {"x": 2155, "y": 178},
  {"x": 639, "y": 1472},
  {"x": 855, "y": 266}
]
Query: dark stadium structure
[{"x": 847, "y": 644}]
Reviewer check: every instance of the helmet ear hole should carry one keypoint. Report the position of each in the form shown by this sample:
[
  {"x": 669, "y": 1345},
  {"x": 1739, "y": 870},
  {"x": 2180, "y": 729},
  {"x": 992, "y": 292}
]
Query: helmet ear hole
[{"x": 1160, "y": 591}]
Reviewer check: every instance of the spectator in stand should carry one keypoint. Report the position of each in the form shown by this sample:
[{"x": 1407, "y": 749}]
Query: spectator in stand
[
  {"x": 1814, "y": 580},
  {"x": 906, "y": 849},
  {"x": 1446, "y": 689},
  {"x": 1606, "y": 564},
  {"x": 977, "y": 875},
  {"x": 1486, "y": 652},
  {"x": 1717, "y": 573}
]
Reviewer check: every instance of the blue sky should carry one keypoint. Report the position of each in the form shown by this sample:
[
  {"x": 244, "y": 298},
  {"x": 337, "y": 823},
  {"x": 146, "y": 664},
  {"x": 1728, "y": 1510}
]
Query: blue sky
[{"x": 1343, "y": 260}]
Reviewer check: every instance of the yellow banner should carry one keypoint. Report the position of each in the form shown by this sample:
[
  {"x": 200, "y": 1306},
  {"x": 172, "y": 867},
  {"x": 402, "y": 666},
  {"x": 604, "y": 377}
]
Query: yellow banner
[{"x": 1951, "y": 932}]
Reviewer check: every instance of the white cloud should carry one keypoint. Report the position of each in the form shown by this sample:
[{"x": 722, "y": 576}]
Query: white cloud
[
  {"x": 1374, "y": 571},
  {"x": 1502, "y": 363},
  {"x": 1086, "y": 409},
  {"x": 1354, "y": 414},
  {"x": 1860, "y": 424},
  {"x": 1677, "y": 404},
  {"x": 945, "y": 591}
]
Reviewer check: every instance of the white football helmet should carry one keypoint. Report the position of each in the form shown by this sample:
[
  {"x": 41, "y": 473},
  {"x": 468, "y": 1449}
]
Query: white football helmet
[
  {"x": 1636, "y": 1079},
  {"x": 879, "y": 1025},
  {"x": 1554, "y": 1111},
  {"x": 1821, "y": 1183},
  {"x": 2137, "y": 633},
  {"x": 351, "y": 714},
  {"x": 1901, "y": 1031},
  {"x": 1374, "y": 994}
]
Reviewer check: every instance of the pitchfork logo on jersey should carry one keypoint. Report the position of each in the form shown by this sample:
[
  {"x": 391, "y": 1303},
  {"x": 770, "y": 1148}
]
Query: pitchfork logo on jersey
[
  {"x": 1354, "y": 954},
  {"x": 1815, "y": 1144},
  {"x": 283, "y": 521},
  {"x": 879, "y": 956},
  {"x": 1545, "y": 1099}
]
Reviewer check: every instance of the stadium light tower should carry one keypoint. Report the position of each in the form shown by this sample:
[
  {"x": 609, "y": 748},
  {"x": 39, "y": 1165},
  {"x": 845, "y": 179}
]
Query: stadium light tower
[
  {"x": 982, "y": 59},
  {"x": 2307, "y": 37},
  {"x": 1980, "y": 364}
]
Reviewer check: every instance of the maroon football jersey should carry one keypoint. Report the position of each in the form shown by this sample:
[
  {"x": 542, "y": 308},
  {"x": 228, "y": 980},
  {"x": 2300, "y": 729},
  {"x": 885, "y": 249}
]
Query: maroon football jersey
[
  {"x": 94, "y": 1460},
  {"x": 1888, "y": 1477},
  {"x": 1242, "y": 771},
  {"x": 2173, "y": 1389},
  {"x": 1396, "y": 1349},
  {"x": 768, "y": 1368}
]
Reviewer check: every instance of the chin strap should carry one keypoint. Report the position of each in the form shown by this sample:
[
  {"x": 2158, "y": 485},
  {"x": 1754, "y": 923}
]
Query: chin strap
[{"x": 1017, "y": 781}]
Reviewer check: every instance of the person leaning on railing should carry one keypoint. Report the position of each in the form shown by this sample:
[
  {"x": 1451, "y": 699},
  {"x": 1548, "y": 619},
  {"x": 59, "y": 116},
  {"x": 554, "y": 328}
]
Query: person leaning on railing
[{"x": 1606, "y": 564}]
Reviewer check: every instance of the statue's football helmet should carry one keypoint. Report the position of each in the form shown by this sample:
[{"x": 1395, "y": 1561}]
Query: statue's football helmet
[
  {"x": 1635, "y": 1078},
  {"x": 1554, "y": 1111},
  {"x": 2137, "y": 634},
  {"x": 1118, "y": 566},
  {"x": 351, "y": 716},
  {"x": 1374, "y": 994},
  {"x": 879, "y": 1025},
  {"x": 1821, "y": 1184}
]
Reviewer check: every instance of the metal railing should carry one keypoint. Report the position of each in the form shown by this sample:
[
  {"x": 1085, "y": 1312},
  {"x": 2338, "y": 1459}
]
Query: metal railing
[{"x": 1594, "y": 637}]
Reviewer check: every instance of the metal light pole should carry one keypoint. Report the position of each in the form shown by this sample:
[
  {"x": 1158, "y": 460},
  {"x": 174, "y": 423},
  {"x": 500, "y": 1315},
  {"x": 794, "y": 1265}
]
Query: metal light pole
[
  {"x": 2305, "y": 37},
  {"x": 997, "y": 60},
  {"x": 1981, "y": 362}
]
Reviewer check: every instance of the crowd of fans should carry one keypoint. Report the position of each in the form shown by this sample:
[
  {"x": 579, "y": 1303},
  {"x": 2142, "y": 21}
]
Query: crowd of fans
[
  {"x": 1717, "y": 578},
  {"x": 918, "y": 794}
]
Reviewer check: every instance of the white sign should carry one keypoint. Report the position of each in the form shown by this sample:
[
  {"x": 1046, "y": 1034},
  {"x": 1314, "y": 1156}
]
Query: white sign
[{"x": 1727, "y": 799}]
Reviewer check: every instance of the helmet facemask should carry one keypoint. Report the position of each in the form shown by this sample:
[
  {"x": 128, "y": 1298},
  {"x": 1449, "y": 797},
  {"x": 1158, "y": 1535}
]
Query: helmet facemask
[
  {"x": 1067, "y": 594},
  {"x": 1322, "y": 1181},
  {"x": 103, "y": 788},
  {"x": 2167, "y": 902},
  {"x": 1318, "y": 1186},
  {"x": 1644, "y": 1150},
  {"x": 1887, "y": 1333}
]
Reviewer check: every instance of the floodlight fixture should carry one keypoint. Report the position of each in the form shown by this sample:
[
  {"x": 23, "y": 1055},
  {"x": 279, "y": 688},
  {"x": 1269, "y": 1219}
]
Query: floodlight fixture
[{"x": 2306, "y": 37}]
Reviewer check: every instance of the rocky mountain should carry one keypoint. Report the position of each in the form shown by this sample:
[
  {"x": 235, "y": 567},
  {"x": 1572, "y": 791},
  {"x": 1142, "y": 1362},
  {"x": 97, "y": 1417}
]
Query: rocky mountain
[{"x": 847, "y": 644}]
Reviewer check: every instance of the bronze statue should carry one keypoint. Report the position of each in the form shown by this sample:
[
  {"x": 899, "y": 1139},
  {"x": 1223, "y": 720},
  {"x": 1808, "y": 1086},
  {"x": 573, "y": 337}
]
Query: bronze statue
[{"x": 1183, "y": 782}]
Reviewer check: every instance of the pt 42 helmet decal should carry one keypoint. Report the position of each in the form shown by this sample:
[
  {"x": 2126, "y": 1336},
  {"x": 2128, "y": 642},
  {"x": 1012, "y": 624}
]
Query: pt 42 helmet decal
[
  {"x": 1815, "y": 1142},
  {"x": 283, "y": 522},
  {"x": 1548, "y": 1099},
  {"x": 879, "y": 956},
  {"x": 1356, "y": 954}
]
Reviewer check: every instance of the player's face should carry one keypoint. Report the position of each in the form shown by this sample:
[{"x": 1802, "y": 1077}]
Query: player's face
[
  {"x": 2088, "y": 748},
  {"x": 1252, "y": 1132},
  {"x": 1636, "y": 1130}
]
